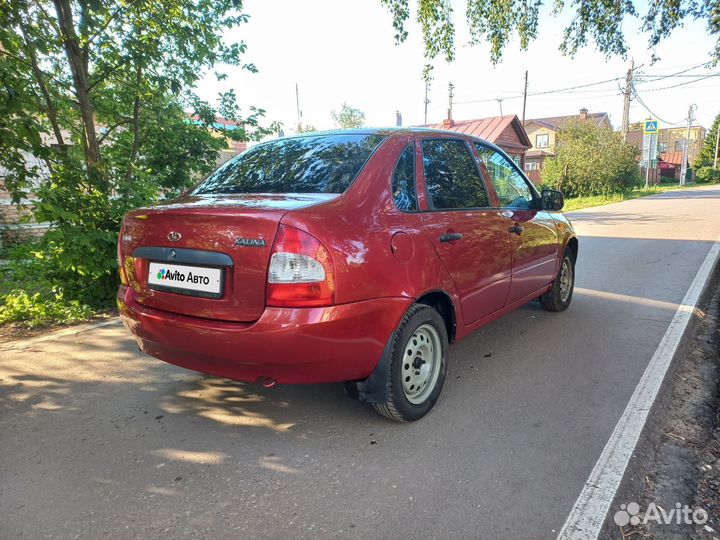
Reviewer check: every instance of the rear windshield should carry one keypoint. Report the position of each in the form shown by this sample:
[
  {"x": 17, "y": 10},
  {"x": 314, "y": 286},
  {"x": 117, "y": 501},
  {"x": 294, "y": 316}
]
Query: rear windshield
[{"x": 311, "y": 164}]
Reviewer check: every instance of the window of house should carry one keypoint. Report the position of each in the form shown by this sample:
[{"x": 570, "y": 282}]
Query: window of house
[
  {"x": 452, "y": 179},
  {"x": 512, "y": 189},
  {"x": 403, "y": 182},
  {"x": 680, "y": 145},
  {"x": 542, "y": 141},
  {"x": 663, "y": 146},
  {"x": 532, "y": 166}
]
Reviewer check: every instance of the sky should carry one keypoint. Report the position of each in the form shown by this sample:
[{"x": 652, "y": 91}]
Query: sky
[{"x": 344, "y": 51}]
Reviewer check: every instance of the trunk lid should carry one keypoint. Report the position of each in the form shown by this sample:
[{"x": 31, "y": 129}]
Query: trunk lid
[{"x": 233, "y": 233}]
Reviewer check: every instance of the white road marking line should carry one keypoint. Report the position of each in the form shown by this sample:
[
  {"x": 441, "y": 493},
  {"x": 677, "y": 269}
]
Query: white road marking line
[{"x": 588, "y": 514}]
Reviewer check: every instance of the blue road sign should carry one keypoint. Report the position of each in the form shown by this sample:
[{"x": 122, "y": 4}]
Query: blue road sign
[{"x": 651, "y": 126}]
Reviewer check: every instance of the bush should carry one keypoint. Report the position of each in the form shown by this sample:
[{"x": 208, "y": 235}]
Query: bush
[
  {"x": 707, "y": 174},
  {"x": 591, "y": 160},
  {"x": 30, "y": 294},
  {"x": 40, "y": 309}
]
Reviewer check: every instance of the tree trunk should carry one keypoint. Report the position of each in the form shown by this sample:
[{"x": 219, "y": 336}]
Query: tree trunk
[{"x": 78, "y": 59}]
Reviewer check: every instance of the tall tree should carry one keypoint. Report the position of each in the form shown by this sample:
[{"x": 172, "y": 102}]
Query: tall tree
[
  {"x": 497, "y": 21},
  {"x": 99, "y": 91},
  {"x": 348, "y": 117},
  {"x": 706, "y": 169}
]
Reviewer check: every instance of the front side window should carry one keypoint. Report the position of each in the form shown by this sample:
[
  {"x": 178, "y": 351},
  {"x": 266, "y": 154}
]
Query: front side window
[
  {"x": 542, "y": 141},
  {"x": 309, "y": 164},
  {"x": 452, "y": 180},
  {"x": 403, "y": 181},
  {"x": 512, "y": 189}
]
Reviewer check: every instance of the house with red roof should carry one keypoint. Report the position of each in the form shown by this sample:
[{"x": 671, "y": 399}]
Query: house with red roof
[{"x": 504, "y": 131}]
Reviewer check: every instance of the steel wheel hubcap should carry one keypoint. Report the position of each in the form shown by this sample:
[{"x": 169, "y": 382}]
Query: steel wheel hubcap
[
  {"x": 421, "y": 364},
  {"x": 565, "y": 280}
]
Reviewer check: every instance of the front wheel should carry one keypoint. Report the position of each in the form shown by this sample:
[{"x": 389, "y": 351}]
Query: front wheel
[
  {"x": 559, "y": 296},
  {"x": 417, "y": 365}
]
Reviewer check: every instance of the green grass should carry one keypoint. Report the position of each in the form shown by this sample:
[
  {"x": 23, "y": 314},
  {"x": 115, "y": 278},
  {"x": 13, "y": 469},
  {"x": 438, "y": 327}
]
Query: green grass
[{"x": 578, "y": 203}]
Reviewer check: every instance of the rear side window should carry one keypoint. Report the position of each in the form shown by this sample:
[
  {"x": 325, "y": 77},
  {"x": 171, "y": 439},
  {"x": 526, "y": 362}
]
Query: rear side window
[
  {"x": 512, "y": 189},
  {"x": 451, "y": 178},
  {"x": 312, "y": 164},
  {"x": 403, "y": 182}
]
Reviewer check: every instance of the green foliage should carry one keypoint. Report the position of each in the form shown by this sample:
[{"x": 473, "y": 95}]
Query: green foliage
[
  {"x": 38, "y": 309},
  {"x": 497, "y": 21},
  {"x": 102, "y": 95},
  {"x": 591, "y": 160},
  {"x": 707, "y": 174},
  {"x": 305, "y": 128},
  {"x": 30, "y": 294},
  {"x": 705, "y": 170},
  {"x": 348, "y": 117}
]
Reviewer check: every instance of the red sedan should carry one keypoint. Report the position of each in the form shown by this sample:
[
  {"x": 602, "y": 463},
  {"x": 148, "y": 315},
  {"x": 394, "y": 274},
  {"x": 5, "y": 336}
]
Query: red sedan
[{"x": 352, "y": 256}]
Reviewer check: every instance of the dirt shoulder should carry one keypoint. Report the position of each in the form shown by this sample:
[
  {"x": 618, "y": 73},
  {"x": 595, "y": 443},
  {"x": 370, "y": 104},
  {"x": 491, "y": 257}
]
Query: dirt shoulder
[
  {"x": 677, "y": 460},
  {"x": 18, "y": 331}
]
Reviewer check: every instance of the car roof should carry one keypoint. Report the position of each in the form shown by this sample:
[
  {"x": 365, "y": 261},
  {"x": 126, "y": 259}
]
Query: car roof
[{"x": 396, "y": 131}]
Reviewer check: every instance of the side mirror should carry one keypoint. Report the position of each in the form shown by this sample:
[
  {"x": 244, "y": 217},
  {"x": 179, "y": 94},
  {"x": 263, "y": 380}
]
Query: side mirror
[{"x": 552, "y": 200}]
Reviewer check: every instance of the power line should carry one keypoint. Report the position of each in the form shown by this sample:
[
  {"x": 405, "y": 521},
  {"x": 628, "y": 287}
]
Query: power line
[
  {"x": 541, "y": 93},
  {"x": 641, "y": 102},
  {"x": 587, "y": 85},
  {"x": 574, "y": 87},
  {"x": 679, "y": 73},
  {"x": 682, "y": 83}
]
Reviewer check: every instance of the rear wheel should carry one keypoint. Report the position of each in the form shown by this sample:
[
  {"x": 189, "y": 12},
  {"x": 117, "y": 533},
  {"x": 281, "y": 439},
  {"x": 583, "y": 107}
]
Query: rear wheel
[
  {"x": 559, "y": 296},
  {"x": 417, "y": 365}
]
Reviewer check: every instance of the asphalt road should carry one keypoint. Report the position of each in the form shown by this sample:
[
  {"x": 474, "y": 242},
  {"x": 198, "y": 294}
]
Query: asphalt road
[{"x": 98, "y": 440}]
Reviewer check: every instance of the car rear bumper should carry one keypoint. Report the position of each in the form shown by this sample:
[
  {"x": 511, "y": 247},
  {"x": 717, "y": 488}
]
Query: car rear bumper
[{"x": 290, "y": 345}]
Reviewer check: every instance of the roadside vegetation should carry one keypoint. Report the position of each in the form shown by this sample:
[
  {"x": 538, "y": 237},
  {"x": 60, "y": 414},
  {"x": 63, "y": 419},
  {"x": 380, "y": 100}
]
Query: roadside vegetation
[
  {"x": 102, "y": 94},
  {"x": 594, "y": 166},
  {"x": 591, "y": 160},
  {"x": 578, "y": 203},
  {"x": 706, "y": 164}
]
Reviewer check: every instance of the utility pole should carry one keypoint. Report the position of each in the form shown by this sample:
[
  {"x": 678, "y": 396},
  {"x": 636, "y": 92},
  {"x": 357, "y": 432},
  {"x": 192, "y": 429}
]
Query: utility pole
[
  {"x": 500, "y": 102},
  {"x": 717, "y": 140},
  {"x": 426, "y": 101},
  {"x": 628, "y": 94},
  {"x": 451, "y": 87},
  {"x": 524, "y": 98},
  {"x": 297, "y": 104},
  {"x": 686, "y": 146}
]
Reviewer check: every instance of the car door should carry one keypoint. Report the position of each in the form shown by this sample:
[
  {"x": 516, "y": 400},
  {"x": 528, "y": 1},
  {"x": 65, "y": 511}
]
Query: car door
[
  {"x": 468, "y": 234},
  {"x": 532, "y": 232}
]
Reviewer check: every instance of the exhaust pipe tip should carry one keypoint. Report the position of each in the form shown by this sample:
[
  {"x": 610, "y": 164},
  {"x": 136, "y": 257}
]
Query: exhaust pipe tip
[{"x": 269, "y": 382}]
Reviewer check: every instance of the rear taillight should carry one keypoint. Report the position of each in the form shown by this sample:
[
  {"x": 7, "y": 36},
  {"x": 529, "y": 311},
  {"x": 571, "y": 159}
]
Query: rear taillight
[{"x": 301, "y": 272}]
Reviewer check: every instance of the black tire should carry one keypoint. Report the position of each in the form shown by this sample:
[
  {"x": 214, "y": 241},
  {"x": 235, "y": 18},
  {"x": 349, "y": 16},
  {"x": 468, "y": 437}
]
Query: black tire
[
  {"x": 559, "y": 296},
  {"x": 427, "y": 321}
]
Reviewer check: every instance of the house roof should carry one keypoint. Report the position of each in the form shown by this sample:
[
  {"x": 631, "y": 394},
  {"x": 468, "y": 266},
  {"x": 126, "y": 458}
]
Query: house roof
[
  {"x": 490, "y": 129},
  {"x": 675, "y": 158},
  {"x": 556, "y": 122}
]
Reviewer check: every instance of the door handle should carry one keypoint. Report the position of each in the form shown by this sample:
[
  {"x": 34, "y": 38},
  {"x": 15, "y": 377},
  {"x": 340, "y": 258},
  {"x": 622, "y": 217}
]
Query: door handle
[
  {"x": 450, "y": 237},
  {"x": 517, "y": 229}
]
